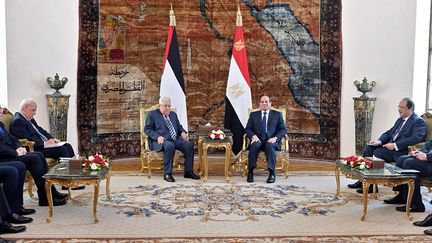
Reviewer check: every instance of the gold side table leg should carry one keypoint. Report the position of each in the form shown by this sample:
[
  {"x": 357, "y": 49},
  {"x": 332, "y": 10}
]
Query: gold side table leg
[
  {"x": 410, "y": 195},
  {"x": 227, "y": 162},
  {"x": 365, "y": 199},
  {"x": 48, "y": 184},
  {"x": 337, "y": 175},
  {"x": 205, "y": 160},
  {"x": 108, "y": 182},
  {"x": 200, "y": 154},
  {"x": 95, "y": 202}
]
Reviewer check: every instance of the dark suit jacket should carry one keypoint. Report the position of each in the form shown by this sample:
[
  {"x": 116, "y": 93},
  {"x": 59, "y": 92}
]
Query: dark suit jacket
[
  {"x": 275, "y": 125},
  {"x": 20, "y": 127},
  {"x": 412, "y": 133},
  {"x": 8, "y": 145},
  {"x": 155, "y": 126},
  {"x": 427, "y": 150}
]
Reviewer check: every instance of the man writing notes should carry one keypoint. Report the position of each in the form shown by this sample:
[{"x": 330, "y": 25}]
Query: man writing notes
[
  {"x": 23, "y": 125},
  {"x": 167, "y": 134},
  {"x": 409, "y": 129},
  {"x": 265, "y": 128}
]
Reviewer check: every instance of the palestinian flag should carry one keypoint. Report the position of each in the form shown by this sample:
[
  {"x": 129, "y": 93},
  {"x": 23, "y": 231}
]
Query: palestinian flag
[
  {"x": 172, "y": 82},
  {"x": 238, "y": 92}
]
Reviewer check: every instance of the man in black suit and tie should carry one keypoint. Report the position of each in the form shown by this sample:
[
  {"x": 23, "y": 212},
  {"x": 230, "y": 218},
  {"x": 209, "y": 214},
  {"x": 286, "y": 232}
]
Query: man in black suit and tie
[
  {"x": 23, "y": 125},
  {"x": 167, "y": 134},
  {"x": 265, "y": 128},
  {"x": 409, "y": 129}
]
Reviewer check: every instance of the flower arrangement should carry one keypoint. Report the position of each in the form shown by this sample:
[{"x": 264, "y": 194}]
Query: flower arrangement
[
  {"x": 357, "y": 162},
  {"x": 96, "y": 162},
  {"x": 219, "y": 134}
]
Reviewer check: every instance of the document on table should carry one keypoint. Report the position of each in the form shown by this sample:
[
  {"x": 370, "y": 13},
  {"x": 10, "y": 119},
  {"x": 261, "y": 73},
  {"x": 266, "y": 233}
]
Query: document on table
[{"x": 54, "y": 145}]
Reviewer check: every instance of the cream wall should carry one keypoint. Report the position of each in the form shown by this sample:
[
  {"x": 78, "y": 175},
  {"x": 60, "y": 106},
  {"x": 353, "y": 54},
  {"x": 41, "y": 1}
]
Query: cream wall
[{"x": 378, "y": 42}]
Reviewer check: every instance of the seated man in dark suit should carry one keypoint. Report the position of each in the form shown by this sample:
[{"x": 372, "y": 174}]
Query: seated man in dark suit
[
  {"x": 420, "y": 160},
  {"x": 265, "y": 128},
  {"x": 409, "y": 129},
  {"x": 23, "y": 125},
  {"x": 5, "y": 212},
  {"x": 167, "y": 134},
  {"x": 12, "y": 175},
  {"x": 34, "y": 161}
]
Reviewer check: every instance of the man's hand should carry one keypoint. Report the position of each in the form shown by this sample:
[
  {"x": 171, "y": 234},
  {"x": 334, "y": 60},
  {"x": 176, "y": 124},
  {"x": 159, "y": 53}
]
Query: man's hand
[
  {"x": 21, "y": 151},
  {"x": 272, "y": 140},
  {"x": 184, "y": 136},
  {"x": 375, "y": 142},
  {"x": 161, "y": 140},
  {"x": 389, "y": 146},
  {"x": 420, "y": 155},
  {"x": 254, "y": 139},
  {"x": 51, "y": 141}
]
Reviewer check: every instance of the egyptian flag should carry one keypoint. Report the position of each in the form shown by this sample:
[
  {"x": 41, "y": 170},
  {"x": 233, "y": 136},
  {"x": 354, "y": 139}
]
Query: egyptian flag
[
  {"x": 172, "y": 83},
  {"x": 238, "y": 93}
]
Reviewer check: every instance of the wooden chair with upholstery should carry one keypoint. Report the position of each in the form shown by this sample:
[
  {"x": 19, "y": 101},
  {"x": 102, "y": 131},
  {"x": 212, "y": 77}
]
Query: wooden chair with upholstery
[
  {"x": 282, "y": 156},
  {"x": 150, "y": 159}
]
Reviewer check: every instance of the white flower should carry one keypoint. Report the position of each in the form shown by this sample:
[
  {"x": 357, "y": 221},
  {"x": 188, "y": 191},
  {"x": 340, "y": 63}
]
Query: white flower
[
  {"x": 91, "y": 158},
  {"x": 362, "y": 166},
  {"x": 93, "y": 166},
  {"x": 344, "y": 162},
  {"x": 212, "y": 136}
]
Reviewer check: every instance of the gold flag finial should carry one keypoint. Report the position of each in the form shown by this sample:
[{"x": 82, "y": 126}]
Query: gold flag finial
[
  {"x": 172, "y": 17},
  {"x": 239, "y": 21}
]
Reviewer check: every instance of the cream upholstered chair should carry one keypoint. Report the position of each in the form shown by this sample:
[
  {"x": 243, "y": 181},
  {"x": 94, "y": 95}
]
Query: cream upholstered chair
[
  {"x": 282, "y": 156},
  {"x": 150, "y": 159}
]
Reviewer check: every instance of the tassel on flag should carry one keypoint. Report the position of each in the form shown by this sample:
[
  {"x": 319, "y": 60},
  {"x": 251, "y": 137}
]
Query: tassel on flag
[
  {"x": 238, "y": 93},
  {"x": 172, "y": 82}
]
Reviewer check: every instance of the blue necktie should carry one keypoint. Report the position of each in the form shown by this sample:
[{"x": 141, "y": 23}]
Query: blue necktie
[
  {"x": 264, "y": 127},
  {"x": 397, "y": 131},
  {"x": 170, "y": 126},
  {"x": 2, "y": 133}
]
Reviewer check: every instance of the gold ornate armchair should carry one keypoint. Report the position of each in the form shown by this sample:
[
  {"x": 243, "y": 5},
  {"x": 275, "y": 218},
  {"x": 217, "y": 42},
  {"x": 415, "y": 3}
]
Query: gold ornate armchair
[
  {"x": 150, "y": 159},
  {"x": 282, "y": 156}
]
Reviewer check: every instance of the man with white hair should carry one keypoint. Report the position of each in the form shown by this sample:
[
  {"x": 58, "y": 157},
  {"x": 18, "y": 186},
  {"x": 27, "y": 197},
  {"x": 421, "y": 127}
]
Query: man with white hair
[
  {"x": 23, "y": 125},
  {"x": 167, "y": 134}
]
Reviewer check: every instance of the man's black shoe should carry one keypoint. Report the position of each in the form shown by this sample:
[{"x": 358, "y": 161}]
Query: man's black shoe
[
  {"x": 357, "y": 184},
  {"x": 360, "y": 190},
  {"x": 26, "y": 211},
  {"x": 395, "y": 200},
  {"x": 428, "y": 231},
  {"x": 56, "y": 202},
  {"x": 169, "y": 178},
  {"x": 190, "y": 174},
  {"x": 271, "y": 178},
  {"x": 15, "y": 218},
  {"x": 414, "y": 208},
  {"x": 8, "y": 228},
  {"x": 250, "y": 177},
  {"x": 425, "y": 222}
]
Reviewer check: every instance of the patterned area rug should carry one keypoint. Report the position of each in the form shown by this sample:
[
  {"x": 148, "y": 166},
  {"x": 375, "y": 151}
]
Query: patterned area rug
[{"x": 301, "y": 208}]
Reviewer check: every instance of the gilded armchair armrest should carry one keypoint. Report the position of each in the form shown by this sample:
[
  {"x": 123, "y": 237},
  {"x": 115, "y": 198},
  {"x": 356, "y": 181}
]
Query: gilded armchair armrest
[{"x": 27, "y": 143}]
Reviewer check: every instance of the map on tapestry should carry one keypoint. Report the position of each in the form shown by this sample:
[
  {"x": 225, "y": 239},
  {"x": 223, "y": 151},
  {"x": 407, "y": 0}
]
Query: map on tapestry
[{"x": 282, "y": 40}]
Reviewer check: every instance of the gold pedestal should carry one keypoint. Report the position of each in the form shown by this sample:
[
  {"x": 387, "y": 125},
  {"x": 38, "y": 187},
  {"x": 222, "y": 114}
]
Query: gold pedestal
[
  {"x": 363, "y": 113},
  {"x": 58, "y": 105}
]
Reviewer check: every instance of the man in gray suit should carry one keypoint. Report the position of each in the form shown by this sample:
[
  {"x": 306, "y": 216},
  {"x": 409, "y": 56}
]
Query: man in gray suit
[
  {"x": 167, "y": 134},
  {"x": 265, "y": 128}
]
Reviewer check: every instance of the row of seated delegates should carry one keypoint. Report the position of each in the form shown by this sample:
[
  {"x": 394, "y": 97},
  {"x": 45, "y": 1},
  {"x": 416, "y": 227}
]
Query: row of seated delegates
[
  {"x": 265, "y": 128},
  {"x": 408, "y": 130},
  {"x": 34, "y": 162},
  {"x": 12, "y": 175},
  {"x": 167, "y": 134},
  {"x": 24, "y": 126}
]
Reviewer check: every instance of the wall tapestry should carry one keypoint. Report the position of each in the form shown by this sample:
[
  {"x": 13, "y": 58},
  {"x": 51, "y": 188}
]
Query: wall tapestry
[{"x": 294, "y": 53}]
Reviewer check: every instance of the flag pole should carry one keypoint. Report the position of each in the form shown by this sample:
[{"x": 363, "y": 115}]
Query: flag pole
[
  {"x": 172, "y": 17},
  {"x": 239, "y": 21}
]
